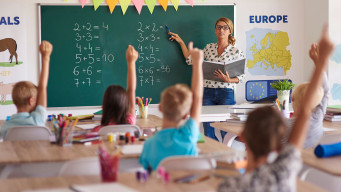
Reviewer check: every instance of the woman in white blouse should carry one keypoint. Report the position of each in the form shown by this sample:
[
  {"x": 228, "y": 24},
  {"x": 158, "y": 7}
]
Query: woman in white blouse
[{"x": 215, "y": 92}]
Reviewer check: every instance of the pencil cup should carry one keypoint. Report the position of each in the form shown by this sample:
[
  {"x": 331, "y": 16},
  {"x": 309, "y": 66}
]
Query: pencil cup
[
  {"x": 109, "y": 166},
  {"x": 143, "y": 112},
  {"x": 283, "y": 98},
  {"x": 66, "y": 140}
]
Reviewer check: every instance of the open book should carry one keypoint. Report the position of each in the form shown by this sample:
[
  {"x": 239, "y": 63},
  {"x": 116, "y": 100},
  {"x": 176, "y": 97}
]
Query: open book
[{"x": 233, "y": 68}]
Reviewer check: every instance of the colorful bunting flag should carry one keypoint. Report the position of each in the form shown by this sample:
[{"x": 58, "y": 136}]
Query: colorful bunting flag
[
  {"x": 111, "y": 4},
  {"x": 190, "y": 2},
  {"x": 164, "y": 4},
  {"x": 97, "y": 3},
  {"x": 83, "y": 2},
  {"x": 124, "y": 5},
  {"x": 150, "y": 5},
  {"x": 138, "y": 4},
  {"x": 175, "y": 4}
]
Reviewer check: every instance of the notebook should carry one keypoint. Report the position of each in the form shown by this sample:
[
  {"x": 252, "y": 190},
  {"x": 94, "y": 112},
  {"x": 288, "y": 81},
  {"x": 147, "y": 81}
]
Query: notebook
[
  {"x": 234, "y": 68},
  {"x": 102, "y": 187}
]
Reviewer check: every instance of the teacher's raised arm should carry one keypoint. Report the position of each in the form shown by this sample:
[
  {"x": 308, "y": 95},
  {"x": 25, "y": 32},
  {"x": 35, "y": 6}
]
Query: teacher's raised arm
[
  {"x": 183, "y": 46},
  {"x": 223, "y": 51}
]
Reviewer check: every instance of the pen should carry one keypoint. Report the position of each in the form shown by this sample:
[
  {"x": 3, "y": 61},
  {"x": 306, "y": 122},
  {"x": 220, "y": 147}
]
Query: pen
[
  {"x": 167, "y": 28},
  {"x": 146, "y": 102}
]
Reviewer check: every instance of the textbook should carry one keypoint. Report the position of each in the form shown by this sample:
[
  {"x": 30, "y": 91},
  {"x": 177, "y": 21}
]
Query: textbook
[
  {"x": 98, "y": 115},
  {"x": 233, "y": 68}
]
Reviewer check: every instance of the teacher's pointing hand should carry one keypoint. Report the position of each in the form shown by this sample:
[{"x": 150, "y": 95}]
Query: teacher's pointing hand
[{"x": 175, "y": 37}]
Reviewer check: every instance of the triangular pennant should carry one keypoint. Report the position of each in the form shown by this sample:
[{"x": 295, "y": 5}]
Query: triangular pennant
[
  {"x": 190, "y": 2},
  {"x": 124, "y": 5},
  {"x": 111, "y": 4},
  {"x": 138, "y": 4},
  {"x": 175, "y": 4},
  {"x": 83, "y": 2},
  {"x": 97, "y": 3},
  {"x": 150, "y": 5},
  {"x": 164, "y": 4}
]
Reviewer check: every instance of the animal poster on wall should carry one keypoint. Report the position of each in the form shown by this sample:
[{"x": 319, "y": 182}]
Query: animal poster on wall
[{"x": 13, "y": 67}]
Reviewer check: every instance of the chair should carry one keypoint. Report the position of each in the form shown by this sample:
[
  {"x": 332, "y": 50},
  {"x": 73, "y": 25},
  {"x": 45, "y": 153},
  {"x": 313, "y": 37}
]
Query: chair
[
  {"x": 120, "y": 128},
  {"x": 83, "y": 166},
  {"x": 188, "y": 163},
  {"x": 27, "y": 133}
]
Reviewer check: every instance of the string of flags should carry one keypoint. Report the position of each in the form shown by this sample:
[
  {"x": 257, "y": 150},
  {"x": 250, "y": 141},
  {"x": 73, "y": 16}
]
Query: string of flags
[{"x": 137, "y": 3}]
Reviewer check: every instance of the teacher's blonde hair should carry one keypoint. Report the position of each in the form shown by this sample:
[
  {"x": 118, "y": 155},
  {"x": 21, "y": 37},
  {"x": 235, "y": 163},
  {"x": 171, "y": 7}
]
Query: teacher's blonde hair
[{"x": 229, "y": 23}]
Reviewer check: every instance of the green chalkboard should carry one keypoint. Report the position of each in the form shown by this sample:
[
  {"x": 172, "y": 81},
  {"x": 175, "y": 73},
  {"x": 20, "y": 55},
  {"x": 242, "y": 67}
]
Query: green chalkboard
[{"x": 89, "y": 48}]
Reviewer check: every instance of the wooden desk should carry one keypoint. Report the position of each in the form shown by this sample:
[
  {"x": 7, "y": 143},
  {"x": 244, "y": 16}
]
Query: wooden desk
[
  {"x": 42, "y": 151},
  {"x": 127, "y": 179},
  {"x": 234, "y": 128},
  {"x": 238, "y": 128},
  {"x": 331, "y": 165},
  {"x": 152, "y": 121}
]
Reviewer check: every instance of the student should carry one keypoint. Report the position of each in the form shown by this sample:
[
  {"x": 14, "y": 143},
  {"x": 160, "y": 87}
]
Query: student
[
  {"x": 176, "y": 103},
  {"x": 29, "y": 99},
  {"x": 118, "y": 104},
  {"x": 320, "y": 102},
  {"x": 263, "y": 132}
]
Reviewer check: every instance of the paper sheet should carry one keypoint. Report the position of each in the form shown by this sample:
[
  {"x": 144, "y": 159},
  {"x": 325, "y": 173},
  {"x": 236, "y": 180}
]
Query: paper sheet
[
  {"x": 325, "y": 129},
  {"x": 103, "y": 187},
  {"x": 132, "y": 149}
]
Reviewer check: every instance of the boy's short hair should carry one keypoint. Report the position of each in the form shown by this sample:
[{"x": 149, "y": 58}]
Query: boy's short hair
[
  {"x": 299, "y": 92},
  {"x": 22, "y": 92},
  {"x": 264, "y": 131},
  {"x": 176, "y": 101}
]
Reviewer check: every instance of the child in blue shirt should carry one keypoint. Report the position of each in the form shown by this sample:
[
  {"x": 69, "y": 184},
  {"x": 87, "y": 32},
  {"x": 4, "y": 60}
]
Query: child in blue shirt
[
  {"x": 177, "y": 102},
  {"x": 30, "y": 100}
]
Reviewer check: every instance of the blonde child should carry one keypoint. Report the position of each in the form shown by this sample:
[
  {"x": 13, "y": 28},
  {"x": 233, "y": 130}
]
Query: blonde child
[
  {"x": 29, "y": 99},
  {"x": 320, "y": 102},
  {"x": 263, "y": 132},
  {"x": 118, "y": 104},
  {"x": 176, "y": 103}
]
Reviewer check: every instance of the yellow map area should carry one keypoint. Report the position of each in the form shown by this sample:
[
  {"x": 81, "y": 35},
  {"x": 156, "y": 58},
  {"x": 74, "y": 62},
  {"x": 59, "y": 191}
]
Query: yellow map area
[{"x": 275, "y": 54}]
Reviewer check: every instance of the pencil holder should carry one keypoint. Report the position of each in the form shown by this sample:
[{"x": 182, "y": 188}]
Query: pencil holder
[
  {"x": 143, "y": 112},
  {"x": 109, "y": 165},
  {"x": 66, "y": 139}
]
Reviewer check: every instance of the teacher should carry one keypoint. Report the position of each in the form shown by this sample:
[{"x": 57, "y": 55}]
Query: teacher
[{"x": 215, "y": 92}]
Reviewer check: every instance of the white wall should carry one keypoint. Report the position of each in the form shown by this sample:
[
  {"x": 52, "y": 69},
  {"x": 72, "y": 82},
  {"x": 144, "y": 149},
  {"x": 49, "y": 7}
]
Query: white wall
[{"x": 306, "y": 19}]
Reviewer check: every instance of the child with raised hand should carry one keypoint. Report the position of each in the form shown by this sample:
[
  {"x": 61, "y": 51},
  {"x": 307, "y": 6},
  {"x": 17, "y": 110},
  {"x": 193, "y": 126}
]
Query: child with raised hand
[
  {"x": 176, "y": 103},
  {"x": 30, "y": 100},
  {"x": 118, "y": 104},
  {"x": 320, "y": 102},
  {"x": 263, "y": 133}
]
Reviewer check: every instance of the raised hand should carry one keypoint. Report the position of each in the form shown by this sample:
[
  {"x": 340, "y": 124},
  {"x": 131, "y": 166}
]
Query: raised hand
[
  {"x": 131, "y": 54},
  {"x": 196, "y": 54},
  {"x": 46, "y": 48}
]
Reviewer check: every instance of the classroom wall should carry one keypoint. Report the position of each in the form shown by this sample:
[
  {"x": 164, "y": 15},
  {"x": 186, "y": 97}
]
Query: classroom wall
[{"x": 304, "y": 27}]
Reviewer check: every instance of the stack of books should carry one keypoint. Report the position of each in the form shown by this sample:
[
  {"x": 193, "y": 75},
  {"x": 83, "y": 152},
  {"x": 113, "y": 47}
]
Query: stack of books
[
  {"x": 97, "y": 115},
  {"x": 239, "y": 115},
  {"x": 333, "y": 113}
]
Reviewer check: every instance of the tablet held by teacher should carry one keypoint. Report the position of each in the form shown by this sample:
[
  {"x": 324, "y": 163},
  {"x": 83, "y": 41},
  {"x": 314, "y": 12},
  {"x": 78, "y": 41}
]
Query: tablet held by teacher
[{"x": 223, "y": 51}]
